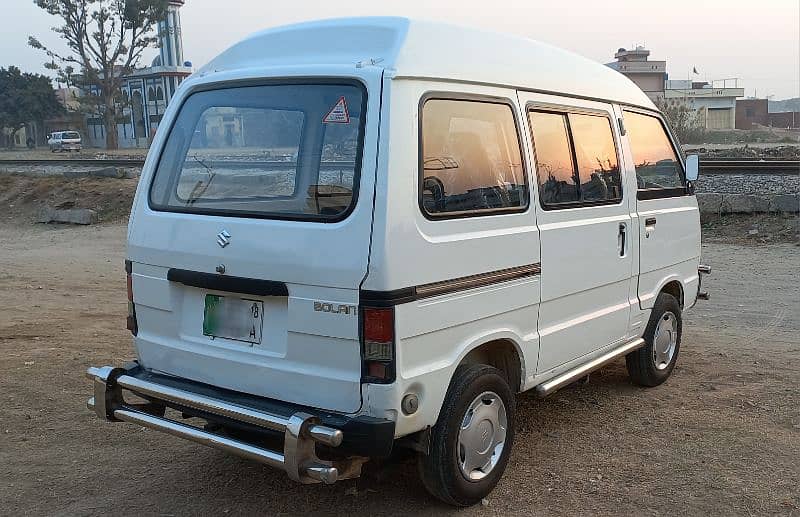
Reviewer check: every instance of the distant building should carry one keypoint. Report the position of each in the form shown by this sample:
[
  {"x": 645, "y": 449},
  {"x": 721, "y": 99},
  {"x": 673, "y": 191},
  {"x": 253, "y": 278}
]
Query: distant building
[
  {"x": 715, "y": 102},
  {"x": 147, "y": 90},
  {"x": 751, "y": 113},
  {"x": 16, "y": 141},
  {"x": 648, "y": 75},
  {"x": 71, "y": 119}
]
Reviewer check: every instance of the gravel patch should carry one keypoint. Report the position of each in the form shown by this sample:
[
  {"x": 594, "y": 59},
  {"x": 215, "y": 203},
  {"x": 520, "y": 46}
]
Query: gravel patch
[{"x": 759, "y": 184}]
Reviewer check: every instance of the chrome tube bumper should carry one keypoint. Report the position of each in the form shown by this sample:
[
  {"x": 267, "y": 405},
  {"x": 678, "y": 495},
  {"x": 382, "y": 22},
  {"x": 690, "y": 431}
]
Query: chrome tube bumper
[
  {"x": 301, "y": 431},
  {"x": 702, "y": 269}
]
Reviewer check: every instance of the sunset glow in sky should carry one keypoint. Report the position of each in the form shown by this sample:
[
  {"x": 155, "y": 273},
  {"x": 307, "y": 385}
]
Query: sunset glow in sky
[{"x": 757, "y": 42}]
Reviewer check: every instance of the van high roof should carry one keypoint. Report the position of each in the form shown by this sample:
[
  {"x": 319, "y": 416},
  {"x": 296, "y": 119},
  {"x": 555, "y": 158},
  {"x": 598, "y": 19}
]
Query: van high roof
[{"x": 425, "y": 49}]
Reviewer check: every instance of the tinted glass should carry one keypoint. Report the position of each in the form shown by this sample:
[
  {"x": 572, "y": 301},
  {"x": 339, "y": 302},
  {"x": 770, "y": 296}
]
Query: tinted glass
[
  {"x": 72, "y": 135},
  {"x": 558, "y": 182},
  {"x": 470, "y": 157},
  {"x": 596, "y": 156},
  {"x": 657, "y": 164},
  {"x": 280, "y": 150}
]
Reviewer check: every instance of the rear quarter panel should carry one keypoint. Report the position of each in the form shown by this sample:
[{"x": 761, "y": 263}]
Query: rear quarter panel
[{"x": 434, "y": 334}]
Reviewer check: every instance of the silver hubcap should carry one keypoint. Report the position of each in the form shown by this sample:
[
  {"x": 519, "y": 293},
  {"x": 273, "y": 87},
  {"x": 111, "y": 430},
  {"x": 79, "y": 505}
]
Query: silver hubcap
[
  {"x": 482, "y": 436},
  {"x": 665, "y": 340}
]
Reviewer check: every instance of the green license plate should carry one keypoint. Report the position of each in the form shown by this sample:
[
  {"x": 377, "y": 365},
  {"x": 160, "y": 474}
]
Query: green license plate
[{"x": 233, "y": 318}]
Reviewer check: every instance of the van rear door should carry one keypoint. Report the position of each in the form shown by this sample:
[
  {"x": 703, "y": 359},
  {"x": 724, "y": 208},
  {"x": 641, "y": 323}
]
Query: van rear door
[{"x": 250, "y": 239}]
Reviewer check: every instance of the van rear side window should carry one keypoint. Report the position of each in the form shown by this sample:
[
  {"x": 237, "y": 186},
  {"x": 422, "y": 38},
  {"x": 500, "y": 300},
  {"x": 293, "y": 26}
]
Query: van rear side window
[
  {"x": 471, "y": 160},
  {"x": 284, "y": 151}
]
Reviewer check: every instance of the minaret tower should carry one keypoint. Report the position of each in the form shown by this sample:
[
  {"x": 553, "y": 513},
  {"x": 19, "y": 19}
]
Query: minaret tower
[{"x": 169, "y": 32}]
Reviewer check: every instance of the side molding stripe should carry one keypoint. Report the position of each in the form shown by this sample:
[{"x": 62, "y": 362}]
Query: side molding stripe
[{"x": 410, "y": 294}]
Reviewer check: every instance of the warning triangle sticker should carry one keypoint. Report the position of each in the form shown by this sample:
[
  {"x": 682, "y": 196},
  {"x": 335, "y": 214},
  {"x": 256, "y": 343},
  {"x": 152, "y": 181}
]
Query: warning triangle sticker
[{"x": 338, "y": 114}]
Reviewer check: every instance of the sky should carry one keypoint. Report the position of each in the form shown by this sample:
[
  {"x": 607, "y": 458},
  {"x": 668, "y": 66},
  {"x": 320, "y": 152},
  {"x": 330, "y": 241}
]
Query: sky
[{"x": 756, "y": 42}]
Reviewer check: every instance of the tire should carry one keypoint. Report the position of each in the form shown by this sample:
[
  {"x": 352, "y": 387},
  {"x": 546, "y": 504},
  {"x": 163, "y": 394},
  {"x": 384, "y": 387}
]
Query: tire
[
  {"x": 652, "y": 364},
  {"x": 441, "y": 469}
]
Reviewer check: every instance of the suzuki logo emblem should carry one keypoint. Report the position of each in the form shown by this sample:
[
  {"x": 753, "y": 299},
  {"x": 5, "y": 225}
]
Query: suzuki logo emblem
[{"x": 223, "y": 238}]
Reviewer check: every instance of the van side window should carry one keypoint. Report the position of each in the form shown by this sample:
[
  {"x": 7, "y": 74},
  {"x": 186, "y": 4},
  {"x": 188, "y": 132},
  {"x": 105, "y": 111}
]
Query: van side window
[
  {"x": 656, "y": 162},
  {"x": 471, "y": 159},
  {"x": 596, "y": 156},
  {"x": 558, "y": 181},
  {"x": 576, "y": 159}
]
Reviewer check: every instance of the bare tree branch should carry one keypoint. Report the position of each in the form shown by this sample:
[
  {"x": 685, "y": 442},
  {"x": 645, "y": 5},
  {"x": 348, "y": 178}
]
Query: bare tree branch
[{"x": 106, "y": 39}]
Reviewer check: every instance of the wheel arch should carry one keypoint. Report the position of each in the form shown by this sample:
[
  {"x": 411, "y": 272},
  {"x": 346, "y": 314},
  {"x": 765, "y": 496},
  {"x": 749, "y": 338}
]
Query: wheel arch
[
  {"x": 672, "y": 284},
  {"x": 675, "y": 288},
  {"x": 500, "y": 351}
]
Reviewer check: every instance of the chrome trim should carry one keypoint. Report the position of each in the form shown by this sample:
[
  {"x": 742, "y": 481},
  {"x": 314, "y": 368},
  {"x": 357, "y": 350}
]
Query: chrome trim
[
  {"x": 194, "y": 434},
  {"x": 702, "y": 269},
  {"x": 480, "y": 280},
  {"x": 546, "y": 388},
  {"x": 301, "y": 431},
  {"x": 223, "y": 238}
]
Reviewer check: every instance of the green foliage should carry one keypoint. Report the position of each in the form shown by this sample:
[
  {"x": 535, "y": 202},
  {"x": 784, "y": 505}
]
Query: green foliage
[
  {"x": 105, "y": 39},
  {"x": 25, "y": 98},
  {"x": 684, "y": 121}
]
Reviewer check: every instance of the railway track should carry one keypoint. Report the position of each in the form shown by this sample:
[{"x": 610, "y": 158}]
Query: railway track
[
  {"x": 229, "y": 164},
  {"x": 745, "y": 166},
  {"x": 78, "y": 162},
  {"x": 707, "y": 165}
]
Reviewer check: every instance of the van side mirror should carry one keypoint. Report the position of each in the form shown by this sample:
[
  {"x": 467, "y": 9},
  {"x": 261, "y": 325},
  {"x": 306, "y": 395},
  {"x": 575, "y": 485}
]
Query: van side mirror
[{"x": 692, "y": 167}]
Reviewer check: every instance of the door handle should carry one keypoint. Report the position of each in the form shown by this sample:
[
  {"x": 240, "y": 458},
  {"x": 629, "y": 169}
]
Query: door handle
[
  {"x": 649, "y": 226},
  {"x": 621, "y": 238}
]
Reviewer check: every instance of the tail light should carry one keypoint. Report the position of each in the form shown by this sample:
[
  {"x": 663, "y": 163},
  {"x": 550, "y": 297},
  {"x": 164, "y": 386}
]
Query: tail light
[
  {"x": 377, "y": 345},
  {"x": 131, "y": 321}
]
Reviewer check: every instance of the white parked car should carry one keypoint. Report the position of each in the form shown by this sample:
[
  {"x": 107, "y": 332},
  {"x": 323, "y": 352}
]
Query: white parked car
[
  {"x": 466, "y": 216},
  {"x": 61, "y": 141}
]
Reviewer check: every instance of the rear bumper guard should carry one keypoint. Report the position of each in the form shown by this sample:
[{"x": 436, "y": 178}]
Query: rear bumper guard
[
  {"x": 301, "y": 431},
  {"x": 702, "y": 269}
]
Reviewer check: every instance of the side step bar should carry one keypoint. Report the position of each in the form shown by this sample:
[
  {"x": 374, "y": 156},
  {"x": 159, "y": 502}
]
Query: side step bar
[
  {"x": 570, "y": 376},
  {"x": 301, "y": 431}
]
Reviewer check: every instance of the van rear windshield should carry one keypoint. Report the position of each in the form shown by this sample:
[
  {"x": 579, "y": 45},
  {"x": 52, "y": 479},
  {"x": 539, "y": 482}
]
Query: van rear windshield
[
  {"x": 284, "y": 151},
  {"x": 71, "y": 135}
]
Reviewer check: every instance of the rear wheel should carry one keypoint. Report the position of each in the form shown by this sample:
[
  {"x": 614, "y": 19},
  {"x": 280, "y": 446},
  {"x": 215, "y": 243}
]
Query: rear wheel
[
  {"x": 652, "y": 364},
  {"x": 472, "y": 440}
]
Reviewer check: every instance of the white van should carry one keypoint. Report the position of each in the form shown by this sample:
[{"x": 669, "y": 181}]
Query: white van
[
  {"x": 360, "y": 234},
  {"x": 61, "y": 141}
]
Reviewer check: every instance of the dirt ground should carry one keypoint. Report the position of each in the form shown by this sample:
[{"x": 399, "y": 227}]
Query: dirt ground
[
  {"x": 22, "y": 196},
  {"x": 721, "y": 437}
]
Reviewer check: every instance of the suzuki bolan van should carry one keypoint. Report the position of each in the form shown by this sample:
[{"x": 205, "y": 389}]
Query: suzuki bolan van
[
  {"x": 61, "y": 141},
  {"x": 360, "y": 234}
]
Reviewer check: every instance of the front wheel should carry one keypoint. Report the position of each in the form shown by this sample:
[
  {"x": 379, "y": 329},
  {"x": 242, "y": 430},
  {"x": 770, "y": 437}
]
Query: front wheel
[
  {"x": 653, "y": 363},
  {"x": 472, "y": 439}
]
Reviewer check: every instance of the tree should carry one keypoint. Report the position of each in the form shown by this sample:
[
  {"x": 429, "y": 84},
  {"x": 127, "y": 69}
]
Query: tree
[
  {"x": 106, "y": 39},
  {"x": 25, "y": 98},
  {"x": 684, "y": 121}
]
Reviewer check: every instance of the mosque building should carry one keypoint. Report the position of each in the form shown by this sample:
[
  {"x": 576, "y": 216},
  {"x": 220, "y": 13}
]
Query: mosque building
[{"x": 147, "y": 90}]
